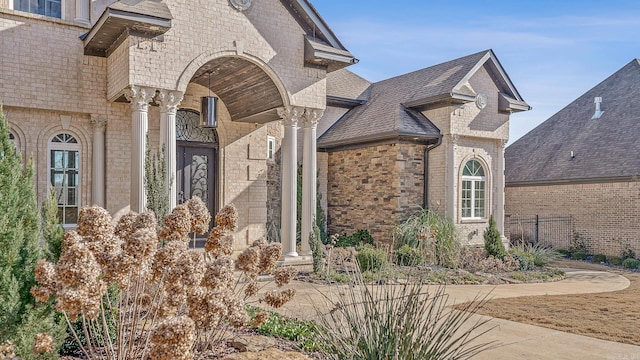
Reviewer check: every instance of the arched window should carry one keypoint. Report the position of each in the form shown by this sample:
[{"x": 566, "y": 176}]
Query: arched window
[
  {"x": 473, "y": 190},
  {"x": 64, "y": 175}
]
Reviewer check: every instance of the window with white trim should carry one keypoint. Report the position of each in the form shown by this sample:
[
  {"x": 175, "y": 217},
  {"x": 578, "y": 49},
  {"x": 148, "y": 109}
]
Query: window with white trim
[
  {"x": 64, "y": 176},
  {"x": 51, "y": 8},
  {"x": 473, "y": 190},
  {"x": 271, "y": 147}
]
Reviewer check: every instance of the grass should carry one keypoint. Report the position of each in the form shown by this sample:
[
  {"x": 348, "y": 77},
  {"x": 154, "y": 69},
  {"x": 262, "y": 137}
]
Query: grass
[{"x": 612, "y": 316}]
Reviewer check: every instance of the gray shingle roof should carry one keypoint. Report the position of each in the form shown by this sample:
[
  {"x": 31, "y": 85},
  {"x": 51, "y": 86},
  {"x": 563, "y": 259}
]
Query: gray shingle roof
[
  {"x": 605, "y": 147},
  {"x": 384, "y": 116},
  {"x": 345, "y": 84}
]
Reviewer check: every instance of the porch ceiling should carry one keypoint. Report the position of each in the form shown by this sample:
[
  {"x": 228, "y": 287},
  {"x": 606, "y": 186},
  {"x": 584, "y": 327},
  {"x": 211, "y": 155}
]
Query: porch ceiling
[{"x": 246, "y": 90}]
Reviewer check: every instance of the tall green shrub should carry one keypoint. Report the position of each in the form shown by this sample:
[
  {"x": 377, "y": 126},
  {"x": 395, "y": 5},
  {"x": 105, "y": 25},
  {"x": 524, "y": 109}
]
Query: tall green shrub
[
  {"x": 321, "y": 218},
  {"x": 20, "y": 318},
  {"x": 433, "y": 234},
  {"x": 52, "y": 230},
  {"x": 155, "y": 178},
  {"x": 316, "y": 249},
  {"x": 492, "y": 240}
]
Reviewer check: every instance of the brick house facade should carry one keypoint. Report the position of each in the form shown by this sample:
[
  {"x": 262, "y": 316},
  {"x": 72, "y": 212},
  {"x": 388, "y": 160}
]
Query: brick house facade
[
  {"x": 455, "y": 115},
  {"x": 584, "y": 162},
  {"x": 85, "y": 84}
]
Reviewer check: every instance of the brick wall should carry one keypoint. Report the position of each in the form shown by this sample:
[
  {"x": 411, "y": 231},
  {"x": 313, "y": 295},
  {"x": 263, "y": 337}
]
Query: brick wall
[{"x": 606, "y": 214}]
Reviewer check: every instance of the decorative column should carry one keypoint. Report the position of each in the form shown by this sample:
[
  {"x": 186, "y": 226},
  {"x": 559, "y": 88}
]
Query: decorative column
[
  {"x": 290, "y": 116},
  {"x": 500, "y": 182},
  {"x": 169, "y": 101},
  {"x": 98, "y": 123},
  {"x": 309, "y": 178},
  {"x": 139, "y": 98},
  {"x": 82, "y": 11}
]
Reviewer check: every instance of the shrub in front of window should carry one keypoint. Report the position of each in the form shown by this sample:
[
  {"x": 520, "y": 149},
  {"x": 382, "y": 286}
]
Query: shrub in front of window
[{"x": 492, "y": 240}]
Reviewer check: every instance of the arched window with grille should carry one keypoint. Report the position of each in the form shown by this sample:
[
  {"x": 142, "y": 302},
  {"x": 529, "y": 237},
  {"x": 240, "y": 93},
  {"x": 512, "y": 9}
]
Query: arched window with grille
[
  {"x": 473, "y": 190},
  {"x": 64, "y": 176}
]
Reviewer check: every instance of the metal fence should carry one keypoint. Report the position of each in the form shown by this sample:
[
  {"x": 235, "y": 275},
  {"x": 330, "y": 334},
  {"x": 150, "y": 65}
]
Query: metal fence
[{"x": 547, "y": 230}]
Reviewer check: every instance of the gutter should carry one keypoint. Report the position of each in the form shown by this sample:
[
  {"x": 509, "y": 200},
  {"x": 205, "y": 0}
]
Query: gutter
[{"x": 426, "y": 171}]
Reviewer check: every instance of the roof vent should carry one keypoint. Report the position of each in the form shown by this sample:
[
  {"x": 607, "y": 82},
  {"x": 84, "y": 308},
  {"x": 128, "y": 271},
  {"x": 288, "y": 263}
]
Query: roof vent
[{"x": 598, "y": 112}]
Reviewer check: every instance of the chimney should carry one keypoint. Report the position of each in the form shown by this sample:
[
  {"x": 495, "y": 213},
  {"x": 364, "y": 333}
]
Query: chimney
[{"x": 598, "y": 112}]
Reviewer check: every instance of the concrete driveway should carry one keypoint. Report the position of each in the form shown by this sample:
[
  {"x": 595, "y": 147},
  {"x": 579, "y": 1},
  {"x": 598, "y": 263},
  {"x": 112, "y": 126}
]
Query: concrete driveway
[{"x": 515, "y": 340}]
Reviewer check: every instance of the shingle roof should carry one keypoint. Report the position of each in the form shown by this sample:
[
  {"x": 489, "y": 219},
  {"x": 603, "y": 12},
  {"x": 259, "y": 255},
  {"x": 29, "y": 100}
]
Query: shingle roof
[
  {"x": 345, "y": 84},
  {"x": 385, "y": 116},
  {"x": 605, "y": 147}
]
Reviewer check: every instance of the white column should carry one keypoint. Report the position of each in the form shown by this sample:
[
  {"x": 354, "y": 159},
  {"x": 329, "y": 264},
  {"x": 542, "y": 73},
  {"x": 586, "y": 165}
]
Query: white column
[
  {"x": 499, "y": 215},
  {"x": 82, "y": 11},
  {"x": 169, "y": 101},
  {"x": 309, "y": 178},
  {"x": 290, "y": 116},
  {"x": 140, "y": 98},
  {"x": 97, "y": 174}
]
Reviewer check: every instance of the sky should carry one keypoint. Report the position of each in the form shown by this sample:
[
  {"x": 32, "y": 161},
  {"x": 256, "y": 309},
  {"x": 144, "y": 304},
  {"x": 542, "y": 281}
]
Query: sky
[{"x": 553, "y": 51}]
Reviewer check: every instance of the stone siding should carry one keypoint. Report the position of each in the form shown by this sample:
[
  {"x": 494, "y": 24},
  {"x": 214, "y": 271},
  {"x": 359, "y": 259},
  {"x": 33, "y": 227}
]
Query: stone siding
[
  {"x": 374, "y": 188},
  {"x": 606, "y": 215}
]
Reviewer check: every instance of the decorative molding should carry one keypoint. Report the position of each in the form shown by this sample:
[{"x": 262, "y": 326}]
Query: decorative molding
[
  {"x": 481, "y": 101},
  {"x": 65, "y": 121},
  {"x": 240, "y": 5},
  {"x": 169, "y": 100},
  {"x": 140, "y": 97},
  {"x": 454, "y": 139},
  {"x": 502, "y": 143},
  {"x": 98, "y": 122},
  {"x": 290, "y": 115},
  {"x": 311, "y": 116}
]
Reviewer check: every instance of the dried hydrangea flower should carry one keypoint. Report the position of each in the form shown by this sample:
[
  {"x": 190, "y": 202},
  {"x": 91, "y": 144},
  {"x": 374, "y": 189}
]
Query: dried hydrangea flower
[
  {"x": 177, "y": 225},
  {"x": 125, "y": 225},
  {"x": 207, "y": 308},
  {"x": 43, "y": 344},
  {"x": 165, "y": 258},
  {"x": 45, "y": 274},
  {"x": 219, "y": 243},
  {"x": 218, "y": 274},
  {"x": 145, "y": 220},
  {"x": 172, "y": 339},
  {"x": 236, "y": 315},
  {"x": 94, "y": 221},
  {"x": 248, "y": 261},
  {"x": 269, "y": 256},
  {"x": 278, "y": 298},
  {"x": 259, "y": 318},
  {"x": 284, "y": 275},
  {"x": 200, "y": 216},
  {"x": 261, "y": 243},
  {"x": 227, "y": 218},
  {"x": 251, "y": 289},
  {"x": 40, "y": 293}
]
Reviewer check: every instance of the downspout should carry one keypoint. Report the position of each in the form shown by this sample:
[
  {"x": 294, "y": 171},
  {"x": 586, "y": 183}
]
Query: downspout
[{"x": 426, "y": 171}]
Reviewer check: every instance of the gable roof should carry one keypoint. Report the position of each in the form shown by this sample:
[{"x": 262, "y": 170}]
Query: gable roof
[
  {"x": 393, "y": 107},
  {"x": 603, "y": 148}
]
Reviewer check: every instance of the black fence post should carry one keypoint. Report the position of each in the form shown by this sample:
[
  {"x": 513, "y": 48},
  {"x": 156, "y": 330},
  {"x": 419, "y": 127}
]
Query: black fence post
[{"x": 537, "y": 228}]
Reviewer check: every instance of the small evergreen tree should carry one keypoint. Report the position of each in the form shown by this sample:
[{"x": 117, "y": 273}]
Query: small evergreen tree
[
  {"x": 155, "y": 177},
  {"x": 492, "y": 240},
  {"x": 52, "y": 231},
  {"x": 316, "y": 249},
  {"x": 20, "y": 317},
  {"x": 321, "y": 218}
]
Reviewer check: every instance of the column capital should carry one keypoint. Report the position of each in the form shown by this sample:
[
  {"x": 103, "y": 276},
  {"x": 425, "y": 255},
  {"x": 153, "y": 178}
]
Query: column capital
[
  {"x": 290, "y": 115},
  {"x": 311, "y": 117},
  {"x": 169, "y": 100},
  {"x": 98, "y": 122},
  {"x": 140, "y": 97}
]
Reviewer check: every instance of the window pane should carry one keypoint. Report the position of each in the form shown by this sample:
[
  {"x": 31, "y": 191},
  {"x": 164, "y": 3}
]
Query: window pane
[
  {"x": 71, "y": 196},
  {"x": 479, "y": 199},
  {"x": 53, "y": 9},
  {"x": 71, "y": 215}
]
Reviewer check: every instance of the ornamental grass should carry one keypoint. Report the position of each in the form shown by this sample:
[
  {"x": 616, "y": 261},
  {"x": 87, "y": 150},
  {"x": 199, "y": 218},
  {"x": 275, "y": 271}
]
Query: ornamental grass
[{"x": 165, "y": 300}]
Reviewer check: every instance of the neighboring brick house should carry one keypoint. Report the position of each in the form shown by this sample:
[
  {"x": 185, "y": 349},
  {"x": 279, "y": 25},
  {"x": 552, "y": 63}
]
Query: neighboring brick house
[
  {"x": 433, "y": 138},
  {"x": 584, "y": 161},
  {"x": 83, "y": 82}
]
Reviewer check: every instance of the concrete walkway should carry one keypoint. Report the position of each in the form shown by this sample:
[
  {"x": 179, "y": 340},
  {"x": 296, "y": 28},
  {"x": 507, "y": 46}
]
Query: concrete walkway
[{"x": 516, "y": 340}]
